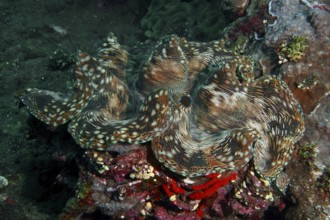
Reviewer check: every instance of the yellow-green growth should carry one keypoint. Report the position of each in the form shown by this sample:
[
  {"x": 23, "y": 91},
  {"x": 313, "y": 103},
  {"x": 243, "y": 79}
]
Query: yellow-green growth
[
  {"x": 293, "y": 49},
  {"x": 308, "y": 152}
]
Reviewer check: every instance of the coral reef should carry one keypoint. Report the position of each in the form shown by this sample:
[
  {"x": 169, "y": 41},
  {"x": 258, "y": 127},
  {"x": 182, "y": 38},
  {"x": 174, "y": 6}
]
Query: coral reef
[
  {"x": 310, "y": 71},
  {"x": 207, "y": 131},
  {"x": 308, "y": 79}
]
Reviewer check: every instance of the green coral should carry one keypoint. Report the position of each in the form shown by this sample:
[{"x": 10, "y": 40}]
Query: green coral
[{"x": 293, "y": 49}]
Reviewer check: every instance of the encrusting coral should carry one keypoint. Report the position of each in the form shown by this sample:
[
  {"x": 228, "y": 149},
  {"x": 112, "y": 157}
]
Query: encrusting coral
[{"x": 208, "y": 120}]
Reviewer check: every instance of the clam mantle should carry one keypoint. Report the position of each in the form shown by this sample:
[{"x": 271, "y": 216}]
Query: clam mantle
[{"x": 202, "y": 110}]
